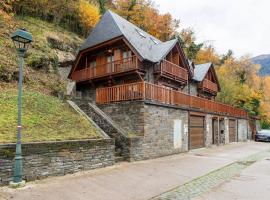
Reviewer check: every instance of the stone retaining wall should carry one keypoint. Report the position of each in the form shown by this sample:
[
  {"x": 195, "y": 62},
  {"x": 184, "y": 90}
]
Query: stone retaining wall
[
  {"x": 152, "y": 128},
  {"x": 41, "y": 160}
]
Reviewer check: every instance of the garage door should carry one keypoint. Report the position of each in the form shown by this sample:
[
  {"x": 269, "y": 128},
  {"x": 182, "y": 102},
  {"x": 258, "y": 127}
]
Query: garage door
[
  {"x": 196, "y": 134},
  {"x": 232, "y": 131}
]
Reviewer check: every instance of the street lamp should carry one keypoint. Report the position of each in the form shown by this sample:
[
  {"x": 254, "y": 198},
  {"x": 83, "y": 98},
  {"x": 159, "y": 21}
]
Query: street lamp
[{"x": 22, "y": 40}]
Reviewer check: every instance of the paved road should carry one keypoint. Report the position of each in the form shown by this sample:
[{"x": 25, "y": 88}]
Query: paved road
[{"x": 135, "y": 181}]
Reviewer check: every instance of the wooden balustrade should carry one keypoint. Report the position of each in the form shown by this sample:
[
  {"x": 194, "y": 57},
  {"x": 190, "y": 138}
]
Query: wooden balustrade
[
  {"x": 173, "y": 70},
  {"x": 209, "y": 86},
  {"x": 106, "y": 69},
  {"x": 124, "y": 92},
  {"x": 152, "y": 92}
]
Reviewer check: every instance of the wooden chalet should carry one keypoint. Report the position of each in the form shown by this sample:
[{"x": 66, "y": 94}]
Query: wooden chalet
[{"x": 120, "y": 62}]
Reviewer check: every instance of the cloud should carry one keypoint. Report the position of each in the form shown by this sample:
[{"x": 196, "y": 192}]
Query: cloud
[{"x": 240, "y": 25}]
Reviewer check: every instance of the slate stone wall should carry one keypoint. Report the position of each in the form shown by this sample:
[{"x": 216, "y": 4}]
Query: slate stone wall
[
  {"x": 208, "y": 130},
  {"x": 129, "y": 115},
  {"x": 108, "y": 126},
  {"x": 41, "y": 160},
  {"x": 226, "y": 130},
  {"x": 151, "y": 128}
]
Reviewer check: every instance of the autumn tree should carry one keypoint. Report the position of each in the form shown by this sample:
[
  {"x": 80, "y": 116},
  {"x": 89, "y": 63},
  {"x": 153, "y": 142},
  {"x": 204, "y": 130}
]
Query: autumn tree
[
  {"x": 240, "y": 85},
  {"x": 146, "y": 16},
  {"x": 89, "y": 15},
  {"x": 207, "y": 54},
  {"x": 191, "y": 48},
  {"x": 102, "y": 6}
]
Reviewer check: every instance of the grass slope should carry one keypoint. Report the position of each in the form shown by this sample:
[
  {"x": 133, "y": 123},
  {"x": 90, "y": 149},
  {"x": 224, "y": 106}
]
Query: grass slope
[{"x": 45, "y": 118}]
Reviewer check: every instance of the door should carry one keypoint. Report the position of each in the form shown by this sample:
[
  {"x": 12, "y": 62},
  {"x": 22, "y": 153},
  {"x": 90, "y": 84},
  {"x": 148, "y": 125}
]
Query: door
[
  {"x": 232, "y": 131},
  {"x": 196, "y": 132}
]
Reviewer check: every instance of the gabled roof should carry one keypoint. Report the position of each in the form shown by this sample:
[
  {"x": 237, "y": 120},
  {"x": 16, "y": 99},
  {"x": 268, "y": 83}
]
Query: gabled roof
[
  {"x": 200, "y": 71},
  {"x": 112, "y": 25}
]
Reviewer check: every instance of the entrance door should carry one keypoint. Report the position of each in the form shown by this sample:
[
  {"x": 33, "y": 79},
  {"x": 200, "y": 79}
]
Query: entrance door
[
  {"x": 232, "y": 131},
  {"x": 196, "y": 133}
]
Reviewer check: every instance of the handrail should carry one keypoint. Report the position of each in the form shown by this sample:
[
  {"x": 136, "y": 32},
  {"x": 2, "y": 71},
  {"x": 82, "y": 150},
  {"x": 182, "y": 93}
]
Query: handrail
[
  {"x": 173, "y": 69},
  {"x": 161, "y": 94},
  {"x": 209, "y": 85},
  {"x": 106, "y": 69}
]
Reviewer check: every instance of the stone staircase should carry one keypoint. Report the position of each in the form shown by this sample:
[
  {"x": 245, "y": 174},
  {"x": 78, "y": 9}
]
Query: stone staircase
[{"x": 109, "y": 127}]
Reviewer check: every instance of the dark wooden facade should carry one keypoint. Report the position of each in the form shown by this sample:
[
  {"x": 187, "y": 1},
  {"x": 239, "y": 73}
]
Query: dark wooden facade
[{"x": 115, "y": 62}]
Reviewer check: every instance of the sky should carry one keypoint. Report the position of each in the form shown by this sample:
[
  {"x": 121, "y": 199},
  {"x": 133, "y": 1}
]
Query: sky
[{"x": 240, "y": 25}]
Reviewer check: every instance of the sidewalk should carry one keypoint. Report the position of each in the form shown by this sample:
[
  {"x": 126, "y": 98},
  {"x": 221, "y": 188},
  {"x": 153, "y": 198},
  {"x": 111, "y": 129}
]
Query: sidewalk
[
  {"x": 136, "y": 181},
  {"x": 252, "y": 183}
]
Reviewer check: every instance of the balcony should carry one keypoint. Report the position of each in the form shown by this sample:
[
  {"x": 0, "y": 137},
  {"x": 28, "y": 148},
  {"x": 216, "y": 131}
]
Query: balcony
[
  {"x": 173, "y": 71},
  {"x": 108, "y": 69},
  {"x": 209, "y": 86},
  {"x": 151, "y": 92}
]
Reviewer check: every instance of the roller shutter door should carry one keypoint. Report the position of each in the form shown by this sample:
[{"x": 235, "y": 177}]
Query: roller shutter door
[
  {"x": 232, "y": 131},
  {"x": 196, "y": 134}
]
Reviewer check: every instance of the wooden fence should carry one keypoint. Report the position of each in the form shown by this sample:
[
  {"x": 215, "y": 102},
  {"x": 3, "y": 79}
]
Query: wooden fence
[{"x": 152, "y": 92}]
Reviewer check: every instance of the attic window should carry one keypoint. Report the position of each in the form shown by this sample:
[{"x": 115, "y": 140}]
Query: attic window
[
  {"x": 140, "y": 33},
  {"x": 155, "y": 42}
]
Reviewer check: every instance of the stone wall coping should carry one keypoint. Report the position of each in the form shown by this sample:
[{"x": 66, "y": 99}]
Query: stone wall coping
[
  {"x": 61, "y": 142},
  {"x": 80, "y": 112},
  {"x": 108, "y": 119}
]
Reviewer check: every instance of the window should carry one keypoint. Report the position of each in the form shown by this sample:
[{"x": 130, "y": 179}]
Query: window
[
  {"x": 93, "y": 64},
  {"x": 127, "y": 54},
  {"x": 110, "y": 65},
  {"x": 140, "y": 33},
  {"x": 153, "y": 40}
]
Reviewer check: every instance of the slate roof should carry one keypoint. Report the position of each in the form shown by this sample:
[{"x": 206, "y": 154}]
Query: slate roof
[
  {"x": 112, "y": 25},
  {"x": 200, "y": 71}
]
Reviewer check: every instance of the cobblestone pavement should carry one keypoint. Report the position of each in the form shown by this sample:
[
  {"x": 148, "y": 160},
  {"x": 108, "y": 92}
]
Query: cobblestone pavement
[{"x": 207, "y": 182}]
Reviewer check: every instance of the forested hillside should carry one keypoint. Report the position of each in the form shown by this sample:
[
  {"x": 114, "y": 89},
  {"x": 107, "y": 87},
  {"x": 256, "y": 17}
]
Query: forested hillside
[
  {"x": 264, "y": 61},
  {"x": 67, "y": 22}
]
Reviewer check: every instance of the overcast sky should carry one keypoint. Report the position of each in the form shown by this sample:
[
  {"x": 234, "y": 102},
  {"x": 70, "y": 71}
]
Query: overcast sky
[{"x": 240, "y": 25}]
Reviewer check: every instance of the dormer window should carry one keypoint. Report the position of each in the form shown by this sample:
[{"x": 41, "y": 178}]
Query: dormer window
[
  {"x": 153, "y": 40},
  {"x": 140, "y": 33}
]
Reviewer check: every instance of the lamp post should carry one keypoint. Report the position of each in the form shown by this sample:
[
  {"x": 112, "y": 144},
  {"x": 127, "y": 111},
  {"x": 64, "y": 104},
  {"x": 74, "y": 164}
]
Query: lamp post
[{"x": 21, "y": 39}]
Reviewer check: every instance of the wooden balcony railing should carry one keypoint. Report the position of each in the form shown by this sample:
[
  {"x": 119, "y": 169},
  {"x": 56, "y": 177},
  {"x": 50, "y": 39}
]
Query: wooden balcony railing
[
  {"x": 209, "y": 86},
  {"x": 107, "y": 69},
  {"x": 151, "y": 92},
  {"x": 173, "y": 70}
]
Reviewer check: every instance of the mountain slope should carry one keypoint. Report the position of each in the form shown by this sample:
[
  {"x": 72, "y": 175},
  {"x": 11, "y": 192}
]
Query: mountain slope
[
  {"x": 52, "y": 46},
  {"x": 264, "y": 61}
]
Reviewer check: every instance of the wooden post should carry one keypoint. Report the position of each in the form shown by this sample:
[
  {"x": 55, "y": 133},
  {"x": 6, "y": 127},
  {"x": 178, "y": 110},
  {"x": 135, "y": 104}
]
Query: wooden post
[{"x": 143, "y": 89}]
